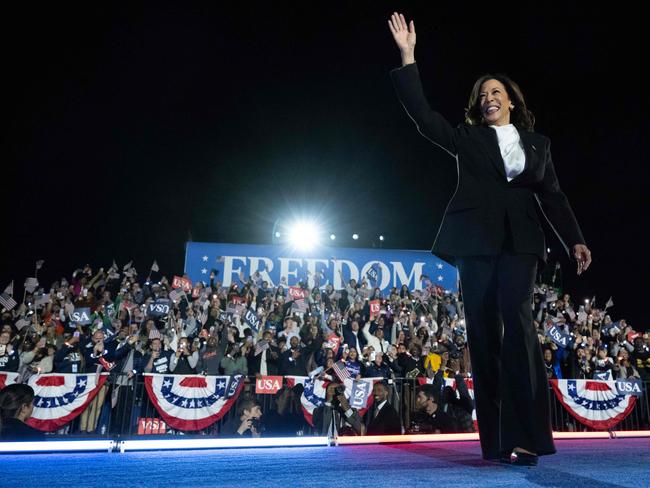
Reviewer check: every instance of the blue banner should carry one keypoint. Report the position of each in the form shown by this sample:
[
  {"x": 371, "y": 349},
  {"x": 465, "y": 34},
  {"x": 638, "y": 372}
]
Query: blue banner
[{"x": 279, "y": 264}]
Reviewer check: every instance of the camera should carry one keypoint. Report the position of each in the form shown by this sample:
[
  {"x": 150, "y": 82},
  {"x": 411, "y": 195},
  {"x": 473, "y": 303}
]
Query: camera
[{"x": 256, "y": 423}]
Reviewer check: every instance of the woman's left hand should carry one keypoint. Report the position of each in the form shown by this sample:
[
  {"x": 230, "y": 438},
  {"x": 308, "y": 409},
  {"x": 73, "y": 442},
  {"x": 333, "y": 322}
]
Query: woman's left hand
[{"x": 583, "y": 256}]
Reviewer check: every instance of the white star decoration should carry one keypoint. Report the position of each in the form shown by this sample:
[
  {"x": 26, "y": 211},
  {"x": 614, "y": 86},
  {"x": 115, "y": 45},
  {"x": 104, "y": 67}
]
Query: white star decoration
[
  {"x": 204, "y": 271},
  {"x": 439, "y": 265},
  {"x": 167, "y": 384},
  {"x": 221, "y": 384},
  {"x": 205, "y": 258},
  {"x": 439, "y": 277}
]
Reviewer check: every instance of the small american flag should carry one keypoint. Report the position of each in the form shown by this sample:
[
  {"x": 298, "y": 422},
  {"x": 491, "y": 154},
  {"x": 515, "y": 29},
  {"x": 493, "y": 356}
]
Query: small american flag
[
  {"x": 7, "y": 301},
  {"x": 341, "y": 371}
]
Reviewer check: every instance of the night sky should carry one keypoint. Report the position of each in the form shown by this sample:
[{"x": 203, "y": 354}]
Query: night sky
[{"x": 132, "y": 128}]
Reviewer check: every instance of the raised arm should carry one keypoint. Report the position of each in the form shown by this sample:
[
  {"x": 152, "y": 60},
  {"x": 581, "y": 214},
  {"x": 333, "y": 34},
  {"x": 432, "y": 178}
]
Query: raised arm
[{"x": 407, "y": 83}]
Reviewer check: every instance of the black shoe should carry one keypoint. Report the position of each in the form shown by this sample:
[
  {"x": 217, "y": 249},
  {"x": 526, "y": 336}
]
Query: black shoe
[
  {"x": 523, "y": 459},
  {"x": 503, "y": 457}
]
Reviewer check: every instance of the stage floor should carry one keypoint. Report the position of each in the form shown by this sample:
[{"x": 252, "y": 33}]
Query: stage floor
[{"x": 592, "y": 463}]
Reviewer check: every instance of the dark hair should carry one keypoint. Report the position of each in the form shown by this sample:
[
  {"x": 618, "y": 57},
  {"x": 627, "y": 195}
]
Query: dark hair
[
  {"x": 12, "y": 399},
  {"x": 430, "y": 392},
  {"x": 247, "y": 404},
  {"x": 520, "y": 116}
]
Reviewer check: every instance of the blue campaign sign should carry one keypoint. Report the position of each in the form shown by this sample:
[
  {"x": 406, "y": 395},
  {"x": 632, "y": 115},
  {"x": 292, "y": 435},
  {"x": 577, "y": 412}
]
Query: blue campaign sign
[{"x": 337, "y": 265}]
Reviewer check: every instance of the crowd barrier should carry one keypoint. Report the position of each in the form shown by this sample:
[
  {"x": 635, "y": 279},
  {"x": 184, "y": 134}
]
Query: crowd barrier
[{"x": 127, "y": 412}]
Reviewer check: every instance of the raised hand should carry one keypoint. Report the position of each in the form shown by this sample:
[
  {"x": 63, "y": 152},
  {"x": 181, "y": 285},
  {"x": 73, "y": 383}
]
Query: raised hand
[
  {"x": 404, "y": 35},
  {"x": 583, "y": 256}
]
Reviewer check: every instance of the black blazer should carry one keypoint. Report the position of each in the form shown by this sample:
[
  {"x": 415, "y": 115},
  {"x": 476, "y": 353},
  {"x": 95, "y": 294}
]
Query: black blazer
[
  {"x": 387, "y": 421},
  {"x": 474, "y": 221}
]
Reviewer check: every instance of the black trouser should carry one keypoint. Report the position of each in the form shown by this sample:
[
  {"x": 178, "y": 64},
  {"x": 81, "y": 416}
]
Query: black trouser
[{"x": 510, "y": 384}]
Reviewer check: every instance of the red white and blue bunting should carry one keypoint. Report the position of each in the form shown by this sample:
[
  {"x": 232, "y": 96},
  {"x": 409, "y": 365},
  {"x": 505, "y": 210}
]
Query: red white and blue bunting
[
  {"x": 596, "y": 404},
  {"x": 59, "y": 398},
  {"x": 192, "y": 402}
]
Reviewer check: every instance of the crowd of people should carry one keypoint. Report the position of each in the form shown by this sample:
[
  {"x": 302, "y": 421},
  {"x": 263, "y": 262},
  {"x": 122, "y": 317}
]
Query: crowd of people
[{"x": 414, "y": 333}]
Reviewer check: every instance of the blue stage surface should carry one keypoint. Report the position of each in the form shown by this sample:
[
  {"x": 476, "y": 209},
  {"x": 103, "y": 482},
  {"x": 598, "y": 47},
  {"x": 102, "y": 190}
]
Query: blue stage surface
[{"x": 591, "y": 463}]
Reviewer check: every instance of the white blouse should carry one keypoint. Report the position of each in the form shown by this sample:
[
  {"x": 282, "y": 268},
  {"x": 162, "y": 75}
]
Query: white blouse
[{"x": 512, "y": 149}]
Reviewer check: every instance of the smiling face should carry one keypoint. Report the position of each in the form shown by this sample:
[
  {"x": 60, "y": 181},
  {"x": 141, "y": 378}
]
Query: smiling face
[{"x": 495, "y": 103}]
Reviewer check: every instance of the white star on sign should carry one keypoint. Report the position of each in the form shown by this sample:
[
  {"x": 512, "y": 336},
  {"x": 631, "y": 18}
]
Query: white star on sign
[
  {"x": 440, "y": 278},
  {"x": 204, "y": 271},
  {"x": 439, "y": 265},
  {"x": 572, "y": 386},
  {"x": 205, "y": 258},
  {"x": 222, "y": 384},
  {"x": 167, "y": 383},
  {"x": 82, "y": 383},
  {"x": 184, "y": 403}
]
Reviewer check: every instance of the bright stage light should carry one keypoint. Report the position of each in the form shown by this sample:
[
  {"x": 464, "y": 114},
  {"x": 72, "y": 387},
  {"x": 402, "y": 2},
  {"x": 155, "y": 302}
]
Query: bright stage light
[
  {"x": 57, "y": 446},
  {"x": 355, "y": 236},
  {"x": 332, "y": 236},
  {"x": 304, "y": 235},
  {"x": 164, "y": 444},
  {"x": 381, "y": 238},
  {"x": 278, "y": 235}
]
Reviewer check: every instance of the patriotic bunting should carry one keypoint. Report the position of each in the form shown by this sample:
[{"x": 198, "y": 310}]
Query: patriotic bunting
[
  {"x": 596, "y": 404},
  {"x": 60, "y": 398},
  {"x": 192, "y": 402}
]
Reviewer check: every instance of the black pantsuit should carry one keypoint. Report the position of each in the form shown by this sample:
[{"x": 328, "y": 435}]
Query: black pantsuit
[
  {"x": 510, "y": 384},
  {"x": 491, "y": 231}
]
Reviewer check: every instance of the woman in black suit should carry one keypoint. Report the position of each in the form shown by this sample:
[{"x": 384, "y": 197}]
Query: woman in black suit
[{"x": 491, "y": 232}]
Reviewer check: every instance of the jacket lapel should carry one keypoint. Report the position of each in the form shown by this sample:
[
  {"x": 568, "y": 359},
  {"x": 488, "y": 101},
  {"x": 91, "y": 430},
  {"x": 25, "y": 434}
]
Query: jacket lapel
[{"x": 491, "y": 144}]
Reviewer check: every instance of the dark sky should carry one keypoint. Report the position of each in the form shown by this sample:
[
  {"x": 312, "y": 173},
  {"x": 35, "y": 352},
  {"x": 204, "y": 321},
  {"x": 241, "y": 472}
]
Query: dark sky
[{"x": 132, "y": 128}]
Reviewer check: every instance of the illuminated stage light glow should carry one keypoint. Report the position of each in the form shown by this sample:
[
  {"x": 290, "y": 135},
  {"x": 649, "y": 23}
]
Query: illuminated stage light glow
[
  {"x": 304, "y": 235},
  {"x": 164, "y": 444},
  {"x": 57, "y": 446}
]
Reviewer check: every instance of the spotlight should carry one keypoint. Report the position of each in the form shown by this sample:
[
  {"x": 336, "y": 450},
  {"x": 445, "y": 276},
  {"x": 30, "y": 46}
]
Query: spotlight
[
  {"x": 303, "y": 235},
  {"x": 548, "y": 249},
  {"x": 332, "y": 236},
  {"x": 355, "y": 236},
  {"x": 277, "y": 234},
  {"x": 381, "y": 238}
]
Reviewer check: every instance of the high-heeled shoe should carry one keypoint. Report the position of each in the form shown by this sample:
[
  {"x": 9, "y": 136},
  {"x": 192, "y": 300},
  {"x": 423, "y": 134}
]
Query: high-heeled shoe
[{"x": 523, "y": 459}]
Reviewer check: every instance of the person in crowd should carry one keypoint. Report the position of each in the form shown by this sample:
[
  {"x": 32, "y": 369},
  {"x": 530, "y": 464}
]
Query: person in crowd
[
  {"x": 429, "y": 418},
  {"x": 382, "y": 418},
  {"x": 335, "y": 416},
  {"x": 185, "y": 359},
  {"x": 211, "y": 354},
  {"x": 234, "y": 362},
  {"x": 9, "y": 356},
  {"x": 376, "y": 367},
  {"x": 16, "y": 406},
  {"x": 247, "y": 421}
]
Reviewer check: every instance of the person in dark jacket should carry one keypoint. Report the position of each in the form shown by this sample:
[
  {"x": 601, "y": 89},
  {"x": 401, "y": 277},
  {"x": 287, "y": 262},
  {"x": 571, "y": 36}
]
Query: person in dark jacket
[
  {"x": 16, "y": 406},
  {"x": 506, "y": 177},
  {"x": 382, "y": 418}
]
